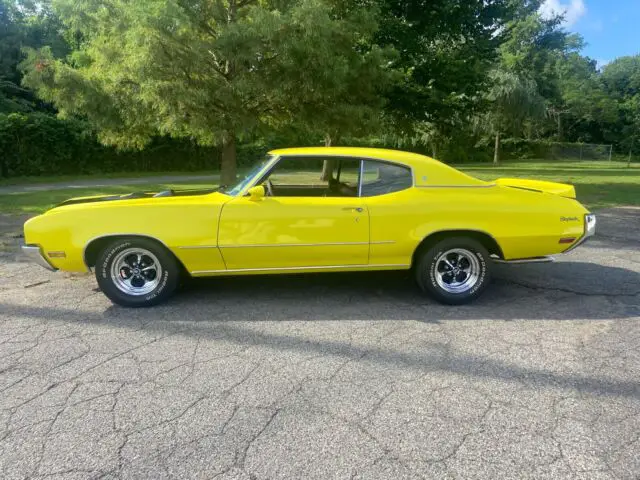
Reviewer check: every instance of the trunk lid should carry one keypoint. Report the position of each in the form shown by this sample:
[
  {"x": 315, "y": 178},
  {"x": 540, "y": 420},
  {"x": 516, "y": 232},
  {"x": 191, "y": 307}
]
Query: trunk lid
[{"x": 561, "y": 189}]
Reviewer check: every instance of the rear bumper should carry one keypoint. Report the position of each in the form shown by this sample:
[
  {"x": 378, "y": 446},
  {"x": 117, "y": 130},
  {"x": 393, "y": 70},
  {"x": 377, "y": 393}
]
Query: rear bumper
[
  {"x": 34, "y": 252},
  {"x": 589, "y": 231}
]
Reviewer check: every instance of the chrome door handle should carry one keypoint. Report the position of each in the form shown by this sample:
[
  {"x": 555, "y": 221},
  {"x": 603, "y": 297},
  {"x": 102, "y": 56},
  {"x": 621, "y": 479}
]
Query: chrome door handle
[{"x": 354, "y": 209}]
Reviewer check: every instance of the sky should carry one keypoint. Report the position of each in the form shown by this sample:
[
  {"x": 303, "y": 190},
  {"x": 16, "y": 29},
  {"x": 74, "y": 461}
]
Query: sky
[{"x": 611, "y": 28}]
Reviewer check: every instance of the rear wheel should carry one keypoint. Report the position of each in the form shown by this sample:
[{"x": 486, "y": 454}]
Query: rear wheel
[
  {"x": 455, "y": 270},
  {"x": 137, "y": 272}
]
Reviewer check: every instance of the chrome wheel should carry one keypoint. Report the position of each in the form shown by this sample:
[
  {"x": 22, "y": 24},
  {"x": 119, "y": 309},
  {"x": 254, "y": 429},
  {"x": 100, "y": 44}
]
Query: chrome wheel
[
  {"x": 457, "y": 270},
  {"x": 136, "y": 271}
]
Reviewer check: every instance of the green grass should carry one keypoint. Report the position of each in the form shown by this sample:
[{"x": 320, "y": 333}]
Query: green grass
[
  {"x": 598, "y": 184},
  {"x": 39, "y": 201},
  {"x": 97, "y": 176}
]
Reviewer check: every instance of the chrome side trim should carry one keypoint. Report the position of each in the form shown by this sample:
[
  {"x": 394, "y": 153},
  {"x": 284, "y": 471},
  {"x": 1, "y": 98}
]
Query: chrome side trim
[
  {"x": 34, "y": 253},
  {"x": 457, "y": 186},
  {"x": 525, "y": 260},
  {"x": 286, "y": 269},
  {"x": 328, "y": 244},
  {"x": 190, "y": 247}
]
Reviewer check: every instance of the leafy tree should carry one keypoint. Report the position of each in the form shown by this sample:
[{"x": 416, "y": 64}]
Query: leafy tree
[
  {"x": 211, "y": 70},
  {"x": 621, "y": 82},
  {"x": 446, "y": 49},
  {"x": 586, "y": 112},
  {"x": 23, "y": 24},
  {"x": 512, "y": 100}
]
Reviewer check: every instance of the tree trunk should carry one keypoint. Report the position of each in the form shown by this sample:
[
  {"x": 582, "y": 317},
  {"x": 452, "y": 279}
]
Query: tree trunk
[
  {"x": 327, "y": 166},
  {"x": 559, "y": 126},
  {"x": 496, "y": 150},
  {"x": 228, "y": 164}
]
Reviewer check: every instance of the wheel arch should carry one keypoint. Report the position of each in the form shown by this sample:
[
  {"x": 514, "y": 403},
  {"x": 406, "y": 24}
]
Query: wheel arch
[
  {"x": 94, "y": 246},
  {"x": 486, "y": 239}
]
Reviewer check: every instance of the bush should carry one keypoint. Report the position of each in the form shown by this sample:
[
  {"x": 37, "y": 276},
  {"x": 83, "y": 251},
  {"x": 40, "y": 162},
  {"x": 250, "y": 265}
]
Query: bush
[{"x": 34, "y": 144}]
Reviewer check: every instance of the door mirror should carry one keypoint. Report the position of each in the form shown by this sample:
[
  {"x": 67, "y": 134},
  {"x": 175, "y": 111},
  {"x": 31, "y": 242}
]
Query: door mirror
[{"x": 256, "y": 193}]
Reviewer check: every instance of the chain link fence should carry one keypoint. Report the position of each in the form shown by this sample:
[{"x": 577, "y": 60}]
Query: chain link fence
[{"x": 579, "y": 152}]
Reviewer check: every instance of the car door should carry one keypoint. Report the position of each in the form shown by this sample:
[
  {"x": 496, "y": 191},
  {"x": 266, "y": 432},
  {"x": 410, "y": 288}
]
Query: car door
[{"x": 302, "y": 225}]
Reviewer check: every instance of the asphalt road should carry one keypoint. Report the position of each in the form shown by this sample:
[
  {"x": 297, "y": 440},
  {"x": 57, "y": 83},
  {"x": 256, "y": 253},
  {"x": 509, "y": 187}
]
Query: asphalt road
[{"x": 329, "y": 376}]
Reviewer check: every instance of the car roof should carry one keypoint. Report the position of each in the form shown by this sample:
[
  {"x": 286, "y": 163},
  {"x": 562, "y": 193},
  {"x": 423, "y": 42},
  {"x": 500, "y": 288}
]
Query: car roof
[
  {"x": 399, "y": 156},
  {"x": 426, "y": 170}
]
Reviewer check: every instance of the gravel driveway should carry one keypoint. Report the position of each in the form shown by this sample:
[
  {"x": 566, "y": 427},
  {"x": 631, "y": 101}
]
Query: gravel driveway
[{"x": 328, "y": 376}]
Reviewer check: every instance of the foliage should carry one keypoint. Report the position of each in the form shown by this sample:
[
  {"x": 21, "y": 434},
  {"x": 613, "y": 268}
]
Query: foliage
[
  {"x": 186, "y": 79},
  {"x": 24, "y": 24},
  {"x": 39, "y": 144},
  {"x": 211, "y": 71}
]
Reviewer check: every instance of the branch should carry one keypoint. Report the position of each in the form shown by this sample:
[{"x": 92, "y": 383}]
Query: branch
[{"x": 244, "y": 3}]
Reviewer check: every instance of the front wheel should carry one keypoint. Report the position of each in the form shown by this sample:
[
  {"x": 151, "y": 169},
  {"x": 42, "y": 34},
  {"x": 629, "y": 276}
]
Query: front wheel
[
  {"x": 137, "y": 272},
  {"x": 454, "y": 271}
]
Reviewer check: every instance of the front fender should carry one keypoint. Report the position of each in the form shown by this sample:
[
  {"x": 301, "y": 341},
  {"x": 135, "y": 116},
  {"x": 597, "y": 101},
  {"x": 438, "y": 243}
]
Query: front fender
[{"x": 186, "y": 226}]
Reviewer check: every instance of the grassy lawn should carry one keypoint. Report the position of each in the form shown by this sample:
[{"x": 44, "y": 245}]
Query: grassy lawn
[
  {"x": 39, "y": 201},
  {"x": 598, "y": 184},
  {"x": 98, "y": 176}
]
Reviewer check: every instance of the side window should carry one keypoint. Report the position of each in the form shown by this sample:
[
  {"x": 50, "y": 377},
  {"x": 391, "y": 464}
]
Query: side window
[
  {"x": 379, "y": 178},
  {"x": 314, "y": 177}
]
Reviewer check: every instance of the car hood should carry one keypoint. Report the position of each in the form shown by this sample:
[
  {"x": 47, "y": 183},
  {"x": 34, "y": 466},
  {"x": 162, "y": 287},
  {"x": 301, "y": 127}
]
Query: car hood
[{"x": 135, "y": 196}]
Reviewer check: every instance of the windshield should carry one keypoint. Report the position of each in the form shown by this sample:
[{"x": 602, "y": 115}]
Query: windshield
[{"x": 238, "y": 187}]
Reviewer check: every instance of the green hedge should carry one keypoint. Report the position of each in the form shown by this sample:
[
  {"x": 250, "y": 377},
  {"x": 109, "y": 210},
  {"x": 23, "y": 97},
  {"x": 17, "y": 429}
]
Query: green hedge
[{"x": 40, "y": 144}]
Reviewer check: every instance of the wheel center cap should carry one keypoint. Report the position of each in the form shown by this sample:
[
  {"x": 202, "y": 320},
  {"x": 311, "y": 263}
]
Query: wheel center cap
[{"x": 136, "y": 271}]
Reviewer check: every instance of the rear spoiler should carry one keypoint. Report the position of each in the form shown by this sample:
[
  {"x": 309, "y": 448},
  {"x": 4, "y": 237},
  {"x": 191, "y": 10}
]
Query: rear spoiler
[{"x": 561, "y": 189}]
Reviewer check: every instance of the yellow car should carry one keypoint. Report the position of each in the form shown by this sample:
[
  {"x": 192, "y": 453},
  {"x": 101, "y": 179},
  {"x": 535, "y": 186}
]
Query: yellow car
[{"x": 314, "y": 210}]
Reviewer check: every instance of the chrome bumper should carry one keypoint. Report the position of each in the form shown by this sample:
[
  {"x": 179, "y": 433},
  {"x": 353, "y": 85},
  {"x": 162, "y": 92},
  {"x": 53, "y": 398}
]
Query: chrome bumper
[
  {"x": 35, "y": 255},
  {"x": 589, "y": 231},
  {"x": 525, "y": 260}
]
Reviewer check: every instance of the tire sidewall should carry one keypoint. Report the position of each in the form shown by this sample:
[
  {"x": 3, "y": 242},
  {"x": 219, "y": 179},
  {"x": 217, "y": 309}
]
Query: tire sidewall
[
  {"x": 166, "y": 286},
  {"x": 428, "y": 271}
]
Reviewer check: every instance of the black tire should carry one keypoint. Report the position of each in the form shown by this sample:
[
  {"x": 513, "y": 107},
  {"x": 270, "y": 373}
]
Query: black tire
[
  {"x": 113, "y": 285},
  {"x": 431, "y": 275}
]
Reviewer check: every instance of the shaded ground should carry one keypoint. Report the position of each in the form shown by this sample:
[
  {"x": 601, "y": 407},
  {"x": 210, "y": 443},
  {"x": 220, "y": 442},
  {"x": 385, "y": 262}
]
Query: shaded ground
[{"x": 329, "y": 376}]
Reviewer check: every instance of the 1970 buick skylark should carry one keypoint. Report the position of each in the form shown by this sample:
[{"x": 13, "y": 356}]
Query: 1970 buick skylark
[{"x": 314, "y": 210}]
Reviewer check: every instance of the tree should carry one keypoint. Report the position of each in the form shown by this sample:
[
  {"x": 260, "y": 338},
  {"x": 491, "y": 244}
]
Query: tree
[
  {"x": 446, "y": 49},
  {"x": 621, "y": 82},
  {"x": 24, "y": 24},
  {"x": 586, "y": 112},
  {"x": 210, "y": 70},
  {"x": 512, "y": 101}
]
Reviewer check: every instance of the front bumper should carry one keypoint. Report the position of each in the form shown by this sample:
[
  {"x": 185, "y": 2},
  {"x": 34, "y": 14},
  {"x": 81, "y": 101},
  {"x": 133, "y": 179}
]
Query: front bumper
[
  {"x": 34, "y": 252},
  {"x": 589, "y": 231}
]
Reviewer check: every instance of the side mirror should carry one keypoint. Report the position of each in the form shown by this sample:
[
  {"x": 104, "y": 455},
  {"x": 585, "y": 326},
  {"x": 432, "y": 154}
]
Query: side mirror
[{"x": 256, "y": 193}]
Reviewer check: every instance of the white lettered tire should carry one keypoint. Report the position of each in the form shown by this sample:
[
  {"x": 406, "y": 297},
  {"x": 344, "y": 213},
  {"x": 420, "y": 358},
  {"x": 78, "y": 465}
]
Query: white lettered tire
[
  {"x": 455, "y": 270},
  {"x": 137, "y": 272}
]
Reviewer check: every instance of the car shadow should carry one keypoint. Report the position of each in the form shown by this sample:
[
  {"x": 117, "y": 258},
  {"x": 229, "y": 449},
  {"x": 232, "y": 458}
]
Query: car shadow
[
  {"x": 557, "y": 291},
  {"x": 227, "y": 309}
]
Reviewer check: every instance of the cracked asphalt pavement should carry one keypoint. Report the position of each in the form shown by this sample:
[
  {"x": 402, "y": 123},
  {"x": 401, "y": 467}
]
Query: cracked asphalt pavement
[{"x": 328, "y": 376}]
